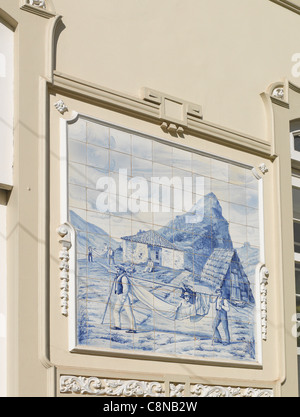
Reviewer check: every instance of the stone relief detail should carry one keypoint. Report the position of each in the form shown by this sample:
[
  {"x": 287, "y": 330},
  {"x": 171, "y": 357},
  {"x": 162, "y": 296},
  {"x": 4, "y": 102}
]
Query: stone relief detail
[
  {"x": 60, "y": 106},
  {"x": 105, "y": 387},
  {"x": 264, "y": 276},
  {"x": 177, "y": 390},
  {"x": 200, "y": 390},
  {"x": 263, "y": 168},
  {"x": 38, "y": 3},
  {"x": 132, "y": 388},
  {"x": 174, "y": 111},
  {"x": 172, "y": 128},
  {"x": 65, "y": 241},
  {"x": 278, "y": 93},
  {"x": 80, "y": 385}
]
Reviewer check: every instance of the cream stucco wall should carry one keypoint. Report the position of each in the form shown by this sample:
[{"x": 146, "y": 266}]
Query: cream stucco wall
[{"x": 221, "y": 55}]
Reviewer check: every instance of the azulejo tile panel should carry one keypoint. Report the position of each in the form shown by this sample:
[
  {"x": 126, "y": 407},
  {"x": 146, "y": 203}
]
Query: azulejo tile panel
[{"x": 167, "y": 244}]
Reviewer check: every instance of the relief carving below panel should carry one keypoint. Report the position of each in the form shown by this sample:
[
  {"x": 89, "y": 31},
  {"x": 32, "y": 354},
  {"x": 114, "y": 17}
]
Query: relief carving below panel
[
  {"x": 177, "y": 390},
  {"x": 200, "y": 390},
  {"x": 110, "y": 387},
  {"x": 133, "y": 388}
]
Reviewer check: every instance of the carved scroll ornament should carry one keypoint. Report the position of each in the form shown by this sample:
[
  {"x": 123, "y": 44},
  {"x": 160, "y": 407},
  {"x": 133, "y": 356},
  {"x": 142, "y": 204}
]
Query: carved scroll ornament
[
  {"x": 116, "y": 388},
  {"x": 133, "y": 388},
  {"x": 264, "y": 276},
  {"x": 64, "y": 232}
]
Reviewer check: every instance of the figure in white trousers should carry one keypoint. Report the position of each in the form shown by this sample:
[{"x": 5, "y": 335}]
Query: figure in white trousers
[{"x": 122, "y": 291}]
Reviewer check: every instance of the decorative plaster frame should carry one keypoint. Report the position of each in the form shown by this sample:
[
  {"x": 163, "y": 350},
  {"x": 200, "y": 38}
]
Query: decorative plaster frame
[
  {"x": 81, "y": 385},
  {"x": 73, "y": 347},
  {"x": 95, "y": 94},
  {"x": 173, "y": 111}
]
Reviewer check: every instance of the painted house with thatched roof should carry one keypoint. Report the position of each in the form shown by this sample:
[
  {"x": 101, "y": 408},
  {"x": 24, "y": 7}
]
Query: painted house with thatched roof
[
  {"x": 146, "y": 245},
  {"x": 224, "y": 270}
]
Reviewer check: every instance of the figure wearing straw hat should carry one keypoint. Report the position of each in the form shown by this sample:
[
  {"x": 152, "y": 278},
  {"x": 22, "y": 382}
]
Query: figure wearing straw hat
[{"x": 122, "y": 290}]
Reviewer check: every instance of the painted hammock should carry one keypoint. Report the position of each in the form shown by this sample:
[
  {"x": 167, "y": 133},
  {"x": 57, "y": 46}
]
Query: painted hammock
[{"x": 194, "y": 310}]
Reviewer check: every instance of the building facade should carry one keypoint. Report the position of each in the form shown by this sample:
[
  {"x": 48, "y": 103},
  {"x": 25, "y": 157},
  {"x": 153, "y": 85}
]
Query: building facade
[{"x": 149, "y": 193}]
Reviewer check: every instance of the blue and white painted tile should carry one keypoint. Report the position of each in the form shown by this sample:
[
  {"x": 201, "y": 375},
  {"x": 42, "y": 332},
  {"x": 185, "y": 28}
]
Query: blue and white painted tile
[
  {"x": 77, "y": 174},
  {"x": 97, "y": 135},
  {"x": 237, "y": 194},
  {"x": 252, "y": 198},
  {"x": 220, "y": 189},
  {"x": 201, "y": 165},
  {"x": 78, "y": 130},
  {"x": 162, "y": 153},
  {"x": 141, "y": 168},
  {"x": 142, "y": 148},
  {"x": 98, "y": 157},
  {"x": 120, "y": 141},
  {"x": 93, "y": 175},
  {"x": 238, "y": 213},
  {"x": 118, "y": 160},
  {"x": 77, "y": 196},
  {"x": 237, "y": 175},
  {"x": 219, "y": 170},
  {"x": 77, "y": 151},
  {"x": 182, "y": 159}
]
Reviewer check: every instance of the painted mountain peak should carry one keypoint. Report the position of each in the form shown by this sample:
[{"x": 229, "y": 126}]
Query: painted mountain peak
[{"x": 199, "y": 231}]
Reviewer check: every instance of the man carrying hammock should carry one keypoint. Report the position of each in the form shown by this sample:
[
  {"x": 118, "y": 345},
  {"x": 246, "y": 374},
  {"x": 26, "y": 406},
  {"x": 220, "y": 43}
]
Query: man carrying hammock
[
  {"x": 222, "y": 307},
  {"x": 122, "y": 291}
]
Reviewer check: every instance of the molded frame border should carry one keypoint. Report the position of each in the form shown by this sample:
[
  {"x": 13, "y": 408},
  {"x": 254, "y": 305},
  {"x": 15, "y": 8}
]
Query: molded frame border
[
  {"x": 72, "y": 311},
  {"x": 293, "y": 5}
]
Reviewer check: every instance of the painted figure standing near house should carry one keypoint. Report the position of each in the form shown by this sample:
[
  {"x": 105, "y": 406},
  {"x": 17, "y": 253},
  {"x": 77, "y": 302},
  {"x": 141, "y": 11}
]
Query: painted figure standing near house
[
  {"x": 90, "y": 254},
  {"x": 111, "y": 256},
  {"x": 122, "y": 291},
  {"x": 222, "y": 307}
]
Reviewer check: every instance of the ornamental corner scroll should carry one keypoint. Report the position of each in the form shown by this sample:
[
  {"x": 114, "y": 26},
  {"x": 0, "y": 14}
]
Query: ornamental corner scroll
[
  {"x": 64, "y": 232},
  {"x": 264, "y": 277}
]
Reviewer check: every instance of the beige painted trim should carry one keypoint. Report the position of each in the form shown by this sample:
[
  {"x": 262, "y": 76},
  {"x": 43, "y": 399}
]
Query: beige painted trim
[
  {"x": 117, "y": 101},
  {"x": 279, "y": 114},
  {"x": 293, "y": 5},
  {"x": 4, "y": 195},
  {"x": 52, "y": 37},
  {"x": 8, "y": 20},
  {"x": 43, "y": 216}
]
